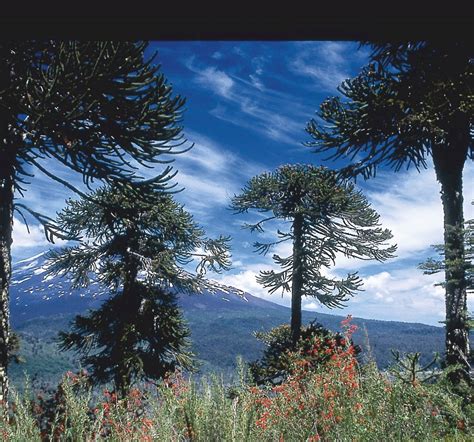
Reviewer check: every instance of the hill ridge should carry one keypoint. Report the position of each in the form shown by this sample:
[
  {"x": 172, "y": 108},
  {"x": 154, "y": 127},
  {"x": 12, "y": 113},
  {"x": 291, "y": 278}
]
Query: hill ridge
[{"x": 222, "y": 323}]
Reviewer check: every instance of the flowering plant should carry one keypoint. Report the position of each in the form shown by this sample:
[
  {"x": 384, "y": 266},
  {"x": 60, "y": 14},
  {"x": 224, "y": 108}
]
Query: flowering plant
[{"x": 315, "y": 347}]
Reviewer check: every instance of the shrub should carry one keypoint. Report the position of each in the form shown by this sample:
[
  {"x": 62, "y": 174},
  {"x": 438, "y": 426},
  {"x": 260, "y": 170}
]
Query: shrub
[{"x": 315, "y": 345}]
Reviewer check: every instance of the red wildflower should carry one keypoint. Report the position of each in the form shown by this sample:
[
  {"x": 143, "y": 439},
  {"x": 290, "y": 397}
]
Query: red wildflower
[
  {"x": 345, "y": 322},
  {"x": 148, "y": 423}
]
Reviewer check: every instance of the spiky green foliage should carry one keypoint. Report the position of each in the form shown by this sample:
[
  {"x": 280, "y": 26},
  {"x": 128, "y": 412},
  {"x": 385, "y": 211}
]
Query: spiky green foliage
[
  {"x": 90, "y": 105},
  {"x": 412, "y": 101},
  {"x": 409, "y": 369},
  {"x": 132, "y": 336},
  {"x": 138, "y": 249},
  {"x": 155, "y": 233},
  {"x": 432, "y": 266},
  {"x": 97, "y": 108},
  {"x": 407, "y": 103},
  {"x": 327, "y": 216}
]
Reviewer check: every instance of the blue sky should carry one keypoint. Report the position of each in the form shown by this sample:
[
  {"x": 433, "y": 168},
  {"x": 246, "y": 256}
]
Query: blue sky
[{"x": 247, "y": 104}]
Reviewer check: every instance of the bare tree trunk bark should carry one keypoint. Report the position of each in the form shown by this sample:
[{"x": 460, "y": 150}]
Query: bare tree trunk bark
[
  {"x": 297, "y": 282},
  {"x": 7, "y": 175},
  {"x": 449, "y": 162},
  {"x": 6, "y": 221}
]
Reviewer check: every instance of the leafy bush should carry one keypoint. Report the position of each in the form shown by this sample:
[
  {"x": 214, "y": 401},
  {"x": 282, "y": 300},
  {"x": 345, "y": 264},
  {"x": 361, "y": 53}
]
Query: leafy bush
[{"x": 316, "y": 344}]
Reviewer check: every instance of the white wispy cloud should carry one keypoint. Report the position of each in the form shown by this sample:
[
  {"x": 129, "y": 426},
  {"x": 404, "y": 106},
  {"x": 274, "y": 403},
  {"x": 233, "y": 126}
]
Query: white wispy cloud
[
  {"x": 409, "y": 204},
  {"x": 207, "y": 154},
  {"x": 217, "y": 55},
  {"x": 326, "y": 63},
  {"x": 399, "y": 295},
  {"x": 203, "y": 192},
  {"x": 405, "y": 295},
  {"x": 22, "y": 238},
  {"x": 218, "y": 81},
  {"x": 250, "y": 116},
  {"x": 256, "y": 82},
  {"x": 211, "y": 174},
  {"x": 45, "y": 195},
  {"x": 246, "y": 280},
  {"x": 249, "y": 104}
]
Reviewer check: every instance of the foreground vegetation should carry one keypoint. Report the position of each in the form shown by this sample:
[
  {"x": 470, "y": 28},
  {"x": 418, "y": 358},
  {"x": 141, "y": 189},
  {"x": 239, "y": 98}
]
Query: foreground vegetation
[{"x": 337, "y": 400}]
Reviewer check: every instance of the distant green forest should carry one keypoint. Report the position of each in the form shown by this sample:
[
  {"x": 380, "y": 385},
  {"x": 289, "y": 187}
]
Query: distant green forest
[{"x": 219, "y": 335}]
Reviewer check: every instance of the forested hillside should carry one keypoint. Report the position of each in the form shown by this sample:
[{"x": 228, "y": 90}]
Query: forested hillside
[{"x": 222, "y": 325}]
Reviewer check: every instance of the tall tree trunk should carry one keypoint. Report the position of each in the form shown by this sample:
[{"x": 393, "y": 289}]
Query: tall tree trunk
[
  {"x": 123, "y": 375},
  {"x": 297, "y": 282},
  {"x": 6, "y": 221},
  {"x": 7, "y": 173},
  {"x": 449, "y": 162}
]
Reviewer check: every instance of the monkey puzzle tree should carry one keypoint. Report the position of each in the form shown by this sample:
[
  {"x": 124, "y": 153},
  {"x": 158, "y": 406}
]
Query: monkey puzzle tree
[
  {"x": 432, "y": 266},
  {"x": 436, "y": 265},
  {"x": 137, "y": 249},
  {"x": 97, "y": 108},
  {"x": 327, "y": 216},
  {"x": 413, "y": 101}
]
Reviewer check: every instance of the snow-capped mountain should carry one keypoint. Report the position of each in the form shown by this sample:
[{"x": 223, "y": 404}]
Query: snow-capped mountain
[{"x": 34, "y": 293}]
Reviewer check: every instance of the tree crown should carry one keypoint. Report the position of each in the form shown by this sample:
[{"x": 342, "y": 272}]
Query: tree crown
[
  {"x": 98, "y": 108},
  {"x": 408, "y": 99},
  {"x": 335, "y": 218},
  {"x": 155, "y": 232}
]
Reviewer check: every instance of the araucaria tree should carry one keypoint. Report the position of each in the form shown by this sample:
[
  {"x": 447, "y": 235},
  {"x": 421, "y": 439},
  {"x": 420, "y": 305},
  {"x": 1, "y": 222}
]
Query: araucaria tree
[
  {"x": 96, "y": 108},
  {"x": 413, "y": 101},
  {"x": 137, "y": 249},
  {"x": 435, "y": 265},
  {"x": 327, "y": 216}
]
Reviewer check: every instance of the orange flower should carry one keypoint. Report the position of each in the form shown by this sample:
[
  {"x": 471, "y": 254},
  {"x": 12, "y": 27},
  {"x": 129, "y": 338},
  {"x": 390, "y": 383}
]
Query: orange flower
[
  {"x": 346, "y": 321},
  {"x": 262, "y": 422},
  {"x": 148, "y": 423}
]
